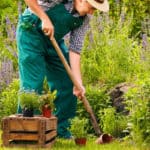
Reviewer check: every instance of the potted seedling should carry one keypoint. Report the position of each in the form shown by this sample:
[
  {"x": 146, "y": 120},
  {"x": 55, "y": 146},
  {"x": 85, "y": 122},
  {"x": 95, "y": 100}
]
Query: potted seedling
[
  {"x": 46, "y": 103},
  {"x": 78, "y": 129},
  {"x": 29, "y": 100}
]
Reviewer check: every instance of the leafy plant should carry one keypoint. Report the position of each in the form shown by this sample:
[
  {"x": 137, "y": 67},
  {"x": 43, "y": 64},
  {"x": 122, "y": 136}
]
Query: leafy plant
[
  {"x": 138, "y": 104},
  {"x": 78, "y": 127},
  {"x": 47, "y": 99},
  {"x": 119, "y": 10},
  {"x": 112, "y": 56},
  {"x": 29, "y": 99},
  {"x": 98, "y": 99},
  {"x": 9, "y": 99},
  {"x": 112, "y": 122}
]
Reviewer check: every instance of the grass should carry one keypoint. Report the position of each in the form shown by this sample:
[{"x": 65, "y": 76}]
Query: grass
[
  {"x": 70, "y": 145},
  {"x": 61, "y": 144}
]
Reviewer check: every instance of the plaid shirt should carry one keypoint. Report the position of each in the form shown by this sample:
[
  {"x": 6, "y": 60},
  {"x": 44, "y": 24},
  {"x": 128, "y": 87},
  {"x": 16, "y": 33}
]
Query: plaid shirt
[{"x": 77, "y": 35}]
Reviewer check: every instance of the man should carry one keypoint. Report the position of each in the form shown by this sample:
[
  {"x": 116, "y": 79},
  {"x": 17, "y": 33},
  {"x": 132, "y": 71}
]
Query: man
[{"x": 42, "y": 20}]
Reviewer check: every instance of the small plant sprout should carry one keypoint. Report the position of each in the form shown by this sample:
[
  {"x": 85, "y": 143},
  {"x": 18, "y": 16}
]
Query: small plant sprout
[
  {"x": 47, "y": 99},
  {"x": 78, "y": 127},
  {"x": 29, "y": 99},
  {"x": 47, "y": 103}
]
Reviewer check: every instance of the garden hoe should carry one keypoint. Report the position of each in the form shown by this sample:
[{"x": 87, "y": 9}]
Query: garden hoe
[{"x": 84, "y": 100}]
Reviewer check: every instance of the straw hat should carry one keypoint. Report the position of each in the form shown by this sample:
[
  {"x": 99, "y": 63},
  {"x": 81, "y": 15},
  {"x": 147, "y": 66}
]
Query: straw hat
[{"x": 101, "y": 5}]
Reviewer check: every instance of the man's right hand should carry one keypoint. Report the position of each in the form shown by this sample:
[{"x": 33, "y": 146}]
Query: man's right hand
[
  {"x": 47, "y": 25},
  {"x": 79, "y": 93},
  {"x": 48, "y": 28}
]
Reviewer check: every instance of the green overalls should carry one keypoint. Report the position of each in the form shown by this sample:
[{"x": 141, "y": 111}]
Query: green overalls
[{"x": 38, "y": 59}]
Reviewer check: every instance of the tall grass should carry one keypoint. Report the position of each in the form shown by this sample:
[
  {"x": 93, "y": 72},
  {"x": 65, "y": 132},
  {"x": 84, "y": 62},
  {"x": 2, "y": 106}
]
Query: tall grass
[
  {"x": 109, "y": 55},
  {"x": 138, "y": 103}
]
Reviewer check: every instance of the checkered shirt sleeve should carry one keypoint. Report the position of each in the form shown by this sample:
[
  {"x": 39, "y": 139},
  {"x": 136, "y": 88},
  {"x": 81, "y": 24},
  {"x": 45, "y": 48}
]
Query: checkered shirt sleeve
[
  {"x": 77, "y": 36},
  {"x": 46, "y": 4}
]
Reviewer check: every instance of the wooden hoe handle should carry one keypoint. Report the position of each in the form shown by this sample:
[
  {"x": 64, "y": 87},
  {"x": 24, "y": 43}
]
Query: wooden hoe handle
[{"x": 76, "y": 83}]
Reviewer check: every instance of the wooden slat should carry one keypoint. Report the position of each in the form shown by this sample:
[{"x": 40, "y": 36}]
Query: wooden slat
[
  {"x": 51, "y": 123},
  {"x": 5, "y": 134},
  {"x": 51, "y": 135},
  {"x": 21, "y": 124},
  {"x": 24, "y": 145},
  {"x": 23, "y": 136},
  {"x": 49, "y": 145}
]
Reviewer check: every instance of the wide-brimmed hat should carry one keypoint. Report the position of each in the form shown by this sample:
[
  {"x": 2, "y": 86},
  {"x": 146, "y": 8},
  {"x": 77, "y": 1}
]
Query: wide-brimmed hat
[{"x": 101, "y": 5}]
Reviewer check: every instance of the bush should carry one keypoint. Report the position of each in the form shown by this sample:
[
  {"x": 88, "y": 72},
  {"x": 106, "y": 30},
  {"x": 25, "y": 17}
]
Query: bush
[
  {"x": 112, "y": 122},
  {"x": 138, "y": 103},
  {"x": 112, "y": 56},
  {"x": 8, "y": 22},
  {"x": 122, "y": 9},
  {"x": 9, "y": 99},
  {"x": 98, "y": 100}
]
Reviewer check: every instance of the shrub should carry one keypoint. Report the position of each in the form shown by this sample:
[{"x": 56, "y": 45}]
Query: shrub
[
  {"x": 112, "y": 56},
  {"x": 8, "y": 99},
  {"x": 138, "y": 103},
  {"x": 98, "y": 100},
  {"x": 112, "y": 122}
]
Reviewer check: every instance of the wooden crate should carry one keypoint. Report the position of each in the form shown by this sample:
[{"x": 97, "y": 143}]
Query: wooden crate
[{"x": 34, "y": 131}]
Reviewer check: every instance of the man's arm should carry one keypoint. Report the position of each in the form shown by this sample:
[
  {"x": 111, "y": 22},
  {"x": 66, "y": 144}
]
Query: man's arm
[
  {"x": 75, "y": 67},
  {"x": 47, "y": 25},
  {"x": 76, "y": 42}
]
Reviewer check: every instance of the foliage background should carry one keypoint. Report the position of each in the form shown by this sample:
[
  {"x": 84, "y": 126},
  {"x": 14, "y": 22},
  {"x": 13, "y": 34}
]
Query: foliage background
[{"x": 116, "y": 50}]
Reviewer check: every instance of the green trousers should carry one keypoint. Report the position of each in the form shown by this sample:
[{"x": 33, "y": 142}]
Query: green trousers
[{"x": 38, "y": 60}]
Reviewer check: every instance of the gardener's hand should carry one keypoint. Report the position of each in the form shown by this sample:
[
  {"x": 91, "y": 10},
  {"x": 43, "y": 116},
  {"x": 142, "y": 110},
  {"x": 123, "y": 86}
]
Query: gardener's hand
[
  {"x": 48, "y": 28},
  {"x": 79, "y": 93}
]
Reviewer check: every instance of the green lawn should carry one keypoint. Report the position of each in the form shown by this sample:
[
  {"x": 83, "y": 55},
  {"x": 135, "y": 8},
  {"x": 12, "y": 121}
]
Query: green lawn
[{"x": 70, "y": 145}]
